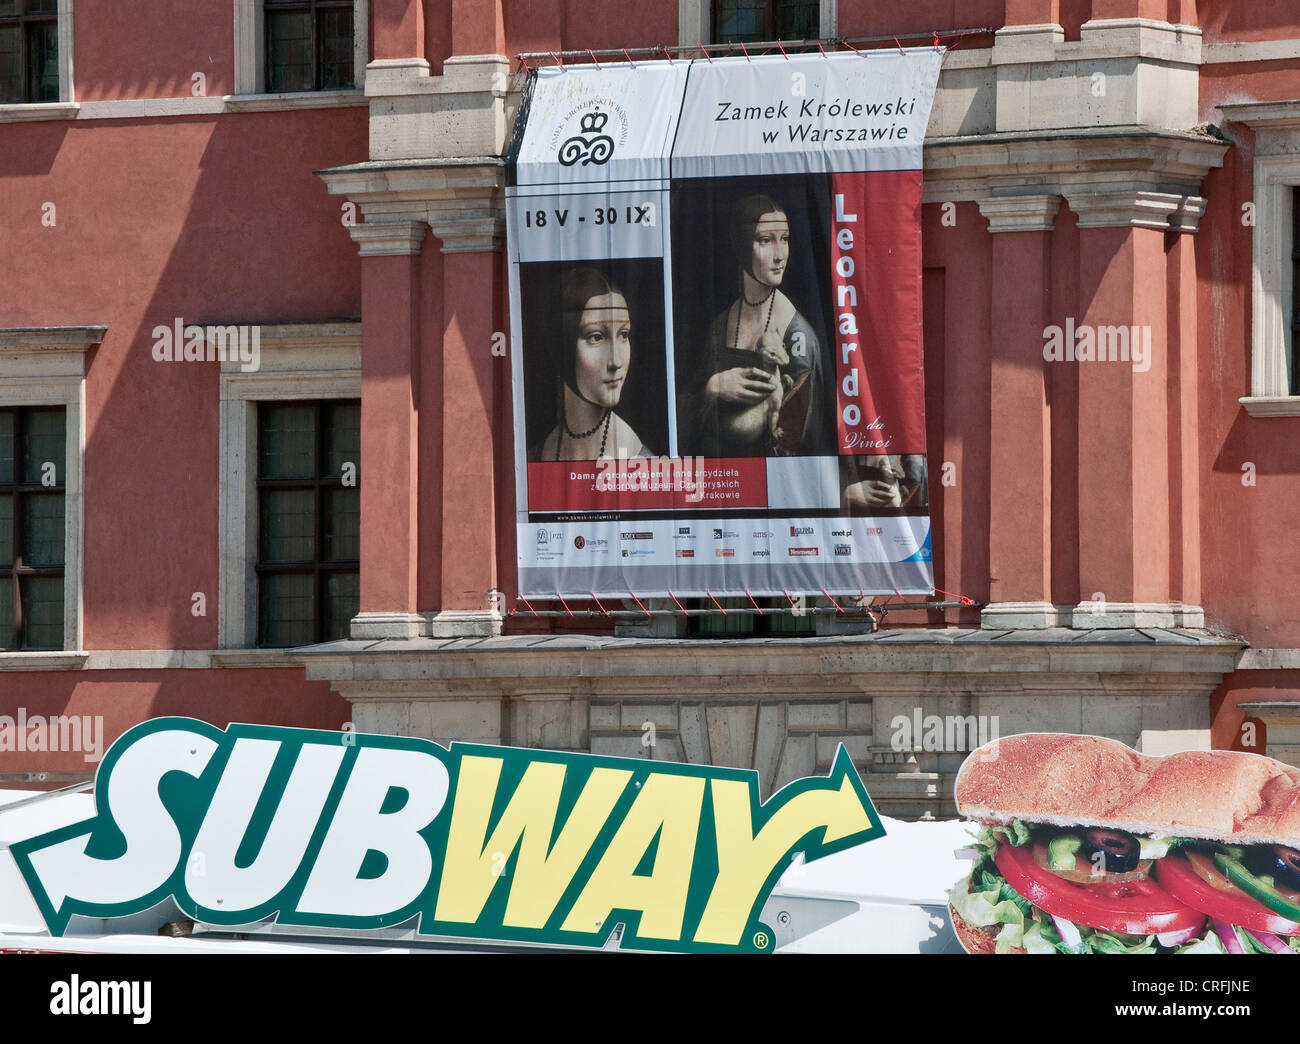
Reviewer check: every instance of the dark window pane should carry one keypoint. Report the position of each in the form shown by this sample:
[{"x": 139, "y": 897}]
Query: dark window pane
[
  {"x": 798, "y": 19},
  {"x": 6, "y": 446},
  {"x": 43, "y": 61},
  {"x": 342, "y": 524},
  {"x": 343, "y": 438},
  {"x": 334, "y": 30},
  {"x": 43, "y": 529},
  {"x": 6, "y": 612},
  {"x": 11, "y": 65},
  {"x": 742, "y": 20},
  {"x": 6, "y": 539},
  {"x": 42, "y": 6},
  {"x": 288, "y": 442},
  {"x": 43, "y": 612},
  {"x": 1295, "y": 292},
  {"x": 289, "y": 49},
  {"x": 286, "y": 612},
  {"x": 44, "y": 440},
  {"x": 288, "y": 525},
  {"x": 342, "y": 602},
  {"x": 8, "y": 7}
]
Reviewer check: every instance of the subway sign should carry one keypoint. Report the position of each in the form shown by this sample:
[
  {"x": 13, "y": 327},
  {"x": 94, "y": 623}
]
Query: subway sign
[{"x": 341, "y": 830}]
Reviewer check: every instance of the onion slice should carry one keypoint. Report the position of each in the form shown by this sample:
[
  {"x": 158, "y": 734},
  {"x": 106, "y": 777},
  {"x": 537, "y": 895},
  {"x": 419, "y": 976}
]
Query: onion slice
[
  {"x": 1271, "y": 941},
  {"x": 1069, "y": 933},
  {"x": 1228, "y": 936},
  {"x": 1179, "y": 938}
]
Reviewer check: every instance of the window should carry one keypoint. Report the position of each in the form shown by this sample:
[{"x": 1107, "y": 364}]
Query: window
[
  {"x": 309, "y": 521},
  {"x": 1275, "y": 273},
  {"x": 777, "y": 619},
  {"x": 1295, "y": 291},
  {"x": 306, "y": 364},
  {"x": 29, "y": 51},
  {"x": 33, "y": 454},
  {"x": 309, "y": 45},
  {"x": 735, "y": 21}
]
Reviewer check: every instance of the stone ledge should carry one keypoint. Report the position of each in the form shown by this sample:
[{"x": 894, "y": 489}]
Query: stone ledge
[
  {"x": 1271, "y": 405},
  {"x": 921, "y": 660}
]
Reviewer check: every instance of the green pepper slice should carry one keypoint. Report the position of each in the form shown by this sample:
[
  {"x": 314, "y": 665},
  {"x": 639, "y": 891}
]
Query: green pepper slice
[{"x": 1258, "y": 888}]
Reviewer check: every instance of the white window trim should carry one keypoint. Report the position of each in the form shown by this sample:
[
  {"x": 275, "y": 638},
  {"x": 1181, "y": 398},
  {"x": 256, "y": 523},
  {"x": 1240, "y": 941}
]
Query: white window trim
[
  {"x": 1277, "y": 174},
  {"x": 1272, "y": 304},
  {"x": 250, "y": 45},
  {"x": 695, "y": 21},
  {"x": 298, "y": 361},
  {"x": 47, "y": 367},
  {"x": 67, "y": 88},
  {"x": 65, "y": 107}
]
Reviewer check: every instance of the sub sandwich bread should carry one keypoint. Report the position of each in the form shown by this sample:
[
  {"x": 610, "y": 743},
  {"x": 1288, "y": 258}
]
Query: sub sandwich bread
[{"x": 1087, "y": 846}]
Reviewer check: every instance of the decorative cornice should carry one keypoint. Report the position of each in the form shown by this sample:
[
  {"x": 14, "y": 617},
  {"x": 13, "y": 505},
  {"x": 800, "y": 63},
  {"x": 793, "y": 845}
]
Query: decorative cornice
[
  {"x": 915, "y": 659},
  {"x": 1271, "y": 405},
  {"x": 1135, "y": 207},
  {"x": 1029, "y": 213},
  {"x": 462, "y": 200},
  {"x": 51, "y": 338},
  {"x": 1263, "y": 114},
  {"x": 1125, "y": 176},
  {"x": 383, "y": 238}
]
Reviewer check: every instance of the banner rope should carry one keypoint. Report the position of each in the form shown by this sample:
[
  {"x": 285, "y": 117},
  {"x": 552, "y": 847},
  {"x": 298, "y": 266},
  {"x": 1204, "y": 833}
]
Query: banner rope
[{"x": 938, "y": 37}]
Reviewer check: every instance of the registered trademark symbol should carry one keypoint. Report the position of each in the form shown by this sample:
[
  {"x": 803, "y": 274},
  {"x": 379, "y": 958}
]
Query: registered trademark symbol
[{"x": 760, "y": 940}]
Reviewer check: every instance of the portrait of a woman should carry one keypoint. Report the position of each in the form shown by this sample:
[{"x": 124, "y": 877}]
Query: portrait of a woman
[
  {"x": 592, "y": 356},
  {"x": 757, "y": 388}
]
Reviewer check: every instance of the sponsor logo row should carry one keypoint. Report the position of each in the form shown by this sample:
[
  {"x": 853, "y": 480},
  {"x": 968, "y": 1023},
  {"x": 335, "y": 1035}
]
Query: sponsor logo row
[{"x": 863, "y": 540}]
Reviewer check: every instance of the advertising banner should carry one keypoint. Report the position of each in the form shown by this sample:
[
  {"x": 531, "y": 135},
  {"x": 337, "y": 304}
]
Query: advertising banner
[
  {"x": 716, "y": 321},
  {"x": 347, "y": 832}
]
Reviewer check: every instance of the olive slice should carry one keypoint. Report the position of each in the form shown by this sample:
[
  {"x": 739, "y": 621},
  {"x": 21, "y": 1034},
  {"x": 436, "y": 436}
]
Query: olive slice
[
  {"x": 1112, "y": 851},
  {"x": 1280, "y": 863}
]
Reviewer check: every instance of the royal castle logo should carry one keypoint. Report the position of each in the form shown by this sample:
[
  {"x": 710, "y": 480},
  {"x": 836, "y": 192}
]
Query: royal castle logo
[{"x": 590, "y": 144}]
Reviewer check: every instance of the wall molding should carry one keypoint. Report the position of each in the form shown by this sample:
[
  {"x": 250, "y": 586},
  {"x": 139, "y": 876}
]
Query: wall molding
[{"x": 298, "y": 361}]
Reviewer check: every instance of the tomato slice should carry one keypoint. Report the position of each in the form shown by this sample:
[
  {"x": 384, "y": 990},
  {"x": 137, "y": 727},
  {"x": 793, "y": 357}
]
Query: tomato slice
[
  {"x": 1222, "y": 900},
  {"x": 1132, "y": 907}
]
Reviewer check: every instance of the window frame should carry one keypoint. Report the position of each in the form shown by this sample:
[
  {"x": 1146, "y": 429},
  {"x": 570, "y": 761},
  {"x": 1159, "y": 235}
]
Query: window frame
[
  {"x": 695, "y": 22},
  {"x": 298, "y": 361},
  {"x": 63, "y": 41},
  {"x": 1274, "y": 367},
  {"x": 250, "y": 50},
  {"x": 1273, "y": 381},
  {"x": 18, "y": 490},
  {"x": 319, "y": 566},
  {"x": 770, "y": 15},
  {"x": 46, "y": 367}
]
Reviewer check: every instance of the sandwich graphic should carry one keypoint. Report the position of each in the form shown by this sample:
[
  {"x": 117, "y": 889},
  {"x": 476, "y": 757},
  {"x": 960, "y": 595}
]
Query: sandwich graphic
[{"x": 1087, "y": 846}]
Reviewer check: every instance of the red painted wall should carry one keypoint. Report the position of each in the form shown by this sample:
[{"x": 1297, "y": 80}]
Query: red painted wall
[
  {"x": 124, "y": 698},
  {"x": 152, "y": 48},
  {"x": 210, "y": 219}
]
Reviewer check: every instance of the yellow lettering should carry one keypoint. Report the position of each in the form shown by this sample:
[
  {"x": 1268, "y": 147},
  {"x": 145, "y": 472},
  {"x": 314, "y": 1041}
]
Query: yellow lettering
[
  {"x": 745, "y": 860},
  {"x": 669, "y": 806},
  {"x": 472, "y": 866}
]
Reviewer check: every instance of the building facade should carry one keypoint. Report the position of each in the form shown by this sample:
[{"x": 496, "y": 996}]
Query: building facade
[{"x": 255, "y": 413}]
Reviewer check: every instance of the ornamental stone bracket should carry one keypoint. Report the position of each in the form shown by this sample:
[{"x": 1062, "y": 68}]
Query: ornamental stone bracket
[
  {"x": 907, "y": 705},
  {"x": 461, "y": 200},
  {"x": 1133, "y": 176}
]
